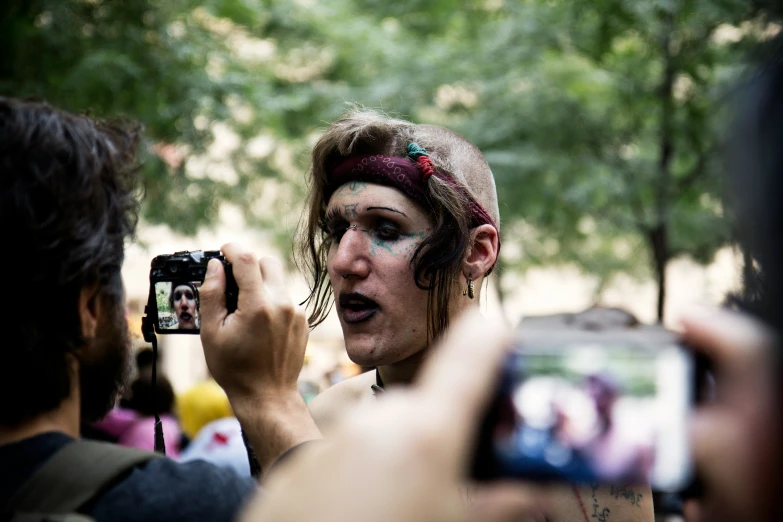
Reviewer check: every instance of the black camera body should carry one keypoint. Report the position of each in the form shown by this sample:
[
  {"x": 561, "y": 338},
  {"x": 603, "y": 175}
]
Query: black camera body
[{"x": 175, "y": 280}]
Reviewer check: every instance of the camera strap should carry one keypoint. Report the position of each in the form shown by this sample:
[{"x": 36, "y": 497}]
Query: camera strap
[{"x": 160, "y": 444}]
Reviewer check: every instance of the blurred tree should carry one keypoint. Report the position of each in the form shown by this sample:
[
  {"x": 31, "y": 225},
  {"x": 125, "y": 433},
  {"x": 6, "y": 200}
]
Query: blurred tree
[
  {"x": 144, "y": 59},
  {"x": 598, "y": 117},
  {"x": 601, "y": 121}
]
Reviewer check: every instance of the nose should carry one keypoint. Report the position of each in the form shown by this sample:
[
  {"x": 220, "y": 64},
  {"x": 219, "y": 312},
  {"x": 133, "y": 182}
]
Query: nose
[{"x": 352, "y": 256}]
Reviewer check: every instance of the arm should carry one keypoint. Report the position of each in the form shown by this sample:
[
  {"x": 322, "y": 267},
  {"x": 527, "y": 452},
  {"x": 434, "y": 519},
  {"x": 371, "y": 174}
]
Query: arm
[
  {"x": 281, "y": 424},
  {"x": 600, "y": 503},
  {"x": 257, "y": 352}
]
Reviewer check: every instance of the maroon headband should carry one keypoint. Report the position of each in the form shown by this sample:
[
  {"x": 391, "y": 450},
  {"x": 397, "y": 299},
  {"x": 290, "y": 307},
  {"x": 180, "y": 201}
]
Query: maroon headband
[{"x": 402, "y": 174}]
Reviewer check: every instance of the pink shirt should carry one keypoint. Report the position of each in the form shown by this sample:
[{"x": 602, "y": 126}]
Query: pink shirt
[{"x": 135, "y": 431}]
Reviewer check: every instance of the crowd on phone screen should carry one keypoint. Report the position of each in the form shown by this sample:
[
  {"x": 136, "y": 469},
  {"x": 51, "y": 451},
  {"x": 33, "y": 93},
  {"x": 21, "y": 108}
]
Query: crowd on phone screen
[{"x": 389, "y": 458}]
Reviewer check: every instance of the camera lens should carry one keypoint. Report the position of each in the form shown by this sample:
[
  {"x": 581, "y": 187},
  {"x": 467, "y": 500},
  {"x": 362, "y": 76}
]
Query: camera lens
[{"x": 173, "y": 268}]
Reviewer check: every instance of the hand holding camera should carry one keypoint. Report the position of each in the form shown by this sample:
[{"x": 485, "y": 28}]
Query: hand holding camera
[
  {"x": 257, "y": 352},
  {"x": 259, "y": 348}
]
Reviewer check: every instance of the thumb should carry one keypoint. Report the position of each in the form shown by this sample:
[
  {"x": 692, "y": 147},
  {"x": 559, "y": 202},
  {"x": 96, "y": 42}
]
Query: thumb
[
  {"x": 213, "y": 297},
  {"x": 508, "y": 502},
  {"x": 692, "y": 511}
]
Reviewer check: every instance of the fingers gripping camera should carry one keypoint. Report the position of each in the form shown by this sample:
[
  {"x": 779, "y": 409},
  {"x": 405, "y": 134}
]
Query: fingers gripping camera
[{"x": 173, "y": 306}]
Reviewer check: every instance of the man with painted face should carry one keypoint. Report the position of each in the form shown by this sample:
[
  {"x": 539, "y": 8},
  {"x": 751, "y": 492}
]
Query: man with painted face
[
  {"x": 401, "y": 230},
  {"x": 184, "y": 302},
  {"x": 68, "y": 203}
]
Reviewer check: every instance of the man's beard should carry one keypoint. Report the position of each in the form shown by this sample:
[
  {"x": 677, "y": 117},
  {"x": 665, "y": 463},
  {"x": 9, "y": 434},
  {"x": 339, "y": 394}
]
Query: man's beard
[{"x": 103, "y": 372}]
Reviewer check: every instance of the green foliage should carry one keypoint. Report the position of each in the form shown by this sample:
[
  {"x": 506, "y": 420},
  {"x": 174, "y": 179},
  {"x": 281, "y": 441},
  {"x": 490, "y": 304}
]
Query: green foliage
[
  {"x": 599, "y": 118},
  {"x": 162, "y": 295}
]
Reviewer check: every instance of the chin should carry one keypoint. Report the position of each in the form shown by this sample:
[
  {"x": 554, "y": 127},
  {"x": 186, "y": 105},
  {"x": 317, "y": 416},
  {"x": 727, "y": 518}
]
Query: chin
[
  {"x": 364, "y": 355},
  {"x": 367, "y": 353}
]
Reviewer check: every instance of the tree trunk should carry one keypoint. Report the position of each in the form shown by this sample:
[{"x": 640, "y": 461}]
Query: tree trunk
[
  {"x": 660, "y": 255},
  {"x": 659, "y": 236}
]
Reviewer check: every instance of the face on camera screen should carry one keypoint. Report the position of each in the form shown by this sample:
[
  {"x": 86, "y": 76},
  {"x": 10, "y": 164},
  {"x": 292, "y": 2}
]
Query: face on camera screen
[
  {"x": 178, "y": 305},
  {"x": 595, "y": 414}
]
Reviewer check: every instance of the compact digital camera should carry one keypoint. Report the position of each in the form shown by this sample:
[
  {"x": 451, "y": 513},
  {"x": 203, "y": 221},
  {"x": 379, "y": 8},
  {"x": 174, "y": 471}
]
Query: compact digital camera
[{"x": 173, "y": 306}]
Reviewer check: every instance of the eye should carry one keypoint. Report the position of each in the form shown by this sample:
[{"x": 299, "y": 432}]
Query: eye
[
  {"x": 387, "y": 230},
  {"x": 179, "y": 294}
]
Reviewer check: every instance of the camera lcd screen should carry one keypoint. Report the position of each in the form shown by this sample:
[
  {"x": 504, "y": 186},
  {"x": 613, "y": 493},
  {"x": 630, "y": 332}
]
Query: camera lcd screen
[
  {"x": 586, "y": 412},
  {"x": 178, "y": 305}
]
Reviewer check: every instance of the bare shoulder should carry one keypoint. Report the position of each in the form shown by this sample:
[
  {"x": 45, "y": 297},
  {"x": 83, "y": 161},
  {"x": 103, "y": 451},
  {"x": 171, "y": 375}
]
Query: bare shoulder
[
  {"x": 332, "y": 403},
  {"x": 604, "y": 503}
]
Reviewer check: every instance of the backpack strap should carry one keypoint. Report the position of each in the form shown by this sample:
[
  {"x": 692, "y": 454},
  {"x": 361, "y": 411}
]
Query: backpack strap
[
  {"x": 75, "y": 475},
  {"x": 45, "y": 517}
]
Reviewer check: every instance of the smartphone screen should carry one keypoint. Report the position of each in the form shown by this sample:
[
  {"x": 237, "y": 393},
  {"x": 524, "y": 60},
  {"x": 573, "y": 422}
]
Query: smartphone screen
[
  {"x": 591, "y": 408},
  {"x": 178, "y": 305}
]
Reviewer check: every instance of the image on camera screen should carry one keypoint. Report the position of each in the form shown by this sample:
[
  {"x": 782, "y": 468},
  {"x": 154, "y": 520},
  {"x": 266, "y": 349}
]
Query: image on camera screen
[
  {"x": 178, "y": 305},
  {"x": 590, "y": 413}
]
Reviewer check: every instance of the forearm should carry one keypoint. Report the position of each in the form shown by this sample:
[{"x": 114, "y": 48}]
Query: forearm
[
  {"x": 624, "y": 503},
  {"x": 274, "y": 425},
  {"x": 600, "y": 503}
]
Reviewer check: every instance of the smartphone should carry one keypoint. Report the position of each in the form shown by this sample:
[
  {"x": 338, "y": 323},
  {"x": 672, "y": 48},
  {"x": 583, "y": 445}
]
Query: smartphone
[
  {"x": 591, "y": 407},
  {"x": 174, "y": 304}
]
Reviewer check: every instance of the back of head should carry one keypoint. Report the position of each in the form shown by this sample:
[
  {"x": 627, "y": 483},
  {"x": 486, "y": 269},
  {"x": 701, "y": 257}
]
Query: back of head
[
  {"x": 756, "y": 167},
  {"x": 148, "y": 400},
  {"x": 68, "y": 201}
]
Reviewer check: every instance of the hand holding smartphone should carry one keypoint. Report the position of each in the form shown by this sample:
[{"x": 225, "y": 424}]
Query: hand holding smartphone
[{"x": 581, "y": 406}]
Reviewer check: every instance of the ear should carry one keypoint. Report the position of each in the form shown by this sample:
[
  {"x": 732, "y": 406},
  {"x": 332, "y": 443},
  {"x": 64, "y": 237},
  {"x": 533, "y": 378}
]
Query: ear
[
  {"x": 89, "y": 310},
  {"x": 483, "y": 253}
]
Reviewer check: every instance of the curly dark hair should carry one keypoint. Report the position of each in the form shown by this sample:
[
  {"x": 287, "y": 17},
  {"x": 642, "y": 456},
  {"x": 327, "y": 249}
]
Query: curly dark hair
[{"x": 69, "y": 198}]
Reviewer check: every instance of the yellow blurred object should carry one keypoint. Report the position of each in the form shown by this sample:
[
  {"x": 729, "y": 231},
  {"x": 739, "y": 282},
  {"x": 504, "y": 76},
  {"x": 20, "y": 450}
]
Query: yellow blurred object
[
  {"x": 134, "y": 325},
  {"x": 200, "y": 405}
]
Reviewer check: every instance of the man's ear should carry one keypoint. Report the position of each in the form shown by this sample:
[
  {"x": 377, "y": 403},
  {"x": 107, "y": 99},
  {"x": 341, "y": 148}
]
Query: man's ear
[
  {"x": 483, "y": 253},
  {"x": 89, "y": 310}
]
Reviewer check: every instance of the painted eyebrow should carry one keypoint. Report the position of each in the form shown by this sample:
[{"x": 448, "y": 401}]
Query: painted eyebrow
[{"x": 387, "y": 208}]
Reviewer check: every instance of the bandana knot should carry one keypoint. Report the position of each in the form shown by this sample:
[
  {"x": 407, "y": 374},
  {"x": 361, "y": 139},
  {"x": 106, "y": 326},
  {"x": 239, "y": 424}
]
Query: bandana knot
[{"x": 422, "y": 159}]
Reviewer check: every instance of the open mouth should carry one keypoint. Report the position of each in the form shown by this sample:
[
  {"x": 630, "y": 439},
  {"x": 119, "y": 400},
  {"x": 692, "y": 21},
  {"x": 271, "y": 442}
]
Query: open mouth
[
  {"x": 186, "y": 317},
  {"x": 356, "y": 308}
]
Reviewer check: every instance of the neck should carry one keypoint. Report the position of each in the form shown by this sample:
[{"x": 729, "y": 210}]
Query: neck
[
  {"x": 65, "y": 419},
  {"x": 403, "y": 372}
]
